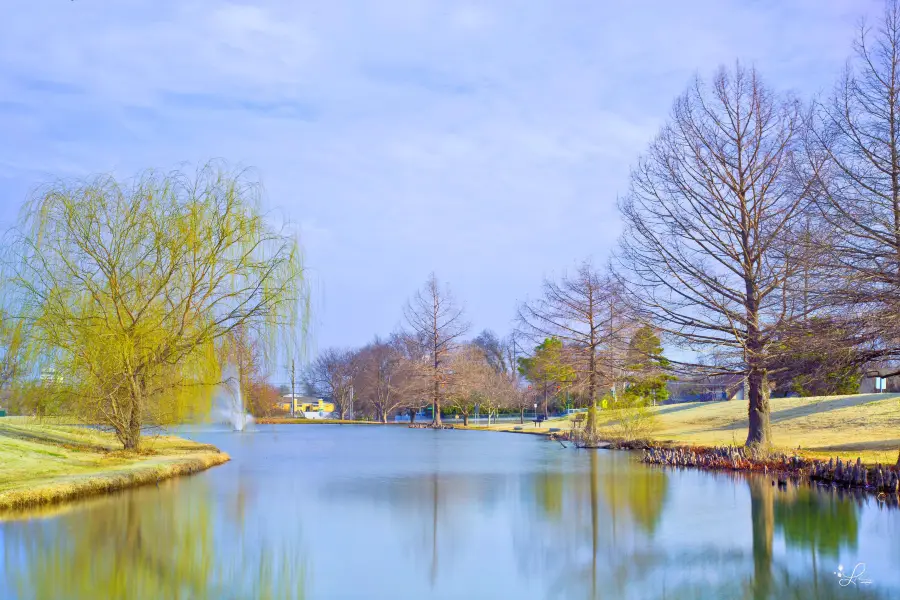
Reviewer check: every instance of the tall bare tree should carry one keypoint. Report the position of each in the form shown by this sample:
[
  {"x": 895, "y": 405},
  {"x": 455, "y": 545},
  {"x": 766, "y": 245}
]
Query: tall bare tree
[
  {"x": 854, "y": 153},
  {"x": 705, "y": 248},
  {"x": 434, "y": 315},
  {"x": 586, "y": 312}
]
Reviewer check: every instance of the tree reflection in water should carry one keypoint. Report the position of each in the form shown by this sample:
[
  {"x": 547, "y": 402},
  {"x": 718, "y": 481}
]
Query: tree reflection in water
[
  {"x": 820, "y": 523},
  {"x": 542, "y": 522},
  {"x": 589, "y": 521},
  {"x": 599, "y": 527},
  {"x": 433, "y": 507},
  {"x": 151, "y": 544}
]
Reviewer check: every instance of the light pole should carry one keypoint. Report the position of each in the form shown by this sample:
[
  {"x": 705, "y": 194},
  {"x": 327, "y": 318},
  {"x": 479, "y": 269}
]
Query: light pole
[
  {"x": 535, "y": 414},
  {"x": 293, "y": 377}
]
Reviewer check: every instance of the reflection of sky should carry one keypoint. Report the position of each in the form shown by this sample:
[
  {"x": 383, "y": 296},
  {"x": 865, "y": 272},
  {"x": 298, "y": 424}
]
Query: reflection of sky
[{"x": 379, "y": 512}]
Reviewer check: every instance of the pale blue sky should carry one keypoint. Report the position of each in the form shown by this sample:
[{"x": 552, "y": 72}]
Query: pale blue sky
[{"x": 486, "y": 141}]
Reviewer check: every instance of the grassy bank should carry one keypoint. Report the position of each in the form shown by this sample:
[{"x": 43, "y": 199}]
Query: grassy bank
[
  {"x": 45, "y": 463},
  {"x": 863, "y": 425}
]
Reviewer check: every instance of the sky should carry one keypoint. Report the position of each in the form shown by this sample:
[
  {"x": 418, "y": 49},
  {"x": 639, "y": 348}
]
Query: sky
[{"x": 485, "y": 141}]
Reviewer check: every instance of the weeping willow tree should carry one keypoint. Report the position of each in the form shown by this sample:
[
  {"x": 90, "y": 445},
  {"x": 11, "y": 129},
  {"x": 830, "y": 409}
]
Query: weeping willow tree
[{"x": 129, "y": 289}]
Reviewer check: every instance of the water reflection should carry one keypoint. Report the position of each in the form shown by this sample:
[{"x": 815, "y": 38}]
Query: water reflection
[
  {"x": 602, "y": 526},
  {"x": 151, "y": 544},
  {"x": 448, "y": 515},
  {"x": 430, "y": 510},
  {"x": 598, "y": 524}
]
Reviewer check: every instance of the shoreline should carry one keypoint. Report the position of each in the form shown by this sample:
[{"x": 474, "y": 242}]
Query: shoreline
[
  {"x": 46, "y": 464},
  {"x": 881, "y": 480},
  {"x": 67, "y": 489},
  {"x": 167, "y": 457}
]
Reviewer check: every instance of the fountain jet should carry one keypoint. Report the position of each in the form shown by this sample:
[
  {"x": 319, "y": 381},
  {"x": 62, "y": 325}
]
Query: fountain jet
[{"x": 228, "y": 407}]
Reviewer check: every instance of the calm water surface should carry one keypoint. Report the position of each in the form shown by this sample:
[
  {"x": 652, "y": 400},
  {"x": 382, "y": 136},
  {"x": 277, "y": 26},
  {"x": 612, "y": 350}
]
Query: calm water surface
[{"x": 385, "y": 512}]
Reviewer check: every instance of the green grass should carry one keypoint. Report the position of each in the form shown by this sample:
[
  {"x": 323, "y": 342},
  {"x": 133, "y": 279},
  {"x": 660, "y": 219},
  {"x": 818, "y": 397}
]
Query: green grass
[
  {"x": 862, "y": 425},
  {"x": 45, "y": 462}
]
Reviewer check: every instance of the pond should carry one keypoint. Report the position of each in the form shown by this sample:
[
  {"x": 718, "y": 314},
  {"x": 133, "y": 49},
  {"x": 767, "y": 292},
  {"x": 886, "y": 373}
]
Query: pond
[{"x": 327, "y": 511}]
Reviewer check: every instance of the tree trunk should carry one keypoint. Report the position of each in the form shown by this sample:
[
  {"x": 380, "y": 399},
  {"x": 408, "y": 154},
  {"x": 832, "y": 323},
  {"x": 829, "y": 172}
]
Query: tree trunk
[
  {"x": 436, "y": 405},
  {"x": 131, "y": 438},
  {"x": 465, "y": 419},
  {"x": 759, "y": 434},
  {"x": 412, "y": 415},
  {"x": 590, "y": 426},
  {"x": 759, "y": 431},
  {"x": 522, "y": 416},
  {"x": 545, "y": 402},
  {"x": 384, "y": 416}
]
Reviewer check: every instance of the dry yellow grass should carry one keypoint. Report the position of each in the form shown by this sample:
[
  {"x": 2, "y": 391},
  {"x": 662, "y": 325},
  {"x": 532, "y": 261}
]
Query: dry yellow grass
[
  {"x": 43, "y": 462},
  {"x": 862, "y": 425}
]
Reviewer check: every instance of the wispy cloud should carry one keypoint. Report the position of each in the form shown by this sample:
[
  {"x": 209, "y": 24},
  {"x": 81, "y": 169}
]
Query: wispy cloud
[{"x": 485, "y": 140}]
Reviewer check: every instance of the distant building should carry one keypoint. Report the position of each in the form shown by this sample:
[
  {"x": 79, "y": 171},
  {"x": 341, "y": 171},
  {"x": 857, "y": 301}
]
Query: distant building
[
  {"x": 719, "y": 388},
  {"x": 311, "y": 408},
  {"x": 891, "y": 384}
]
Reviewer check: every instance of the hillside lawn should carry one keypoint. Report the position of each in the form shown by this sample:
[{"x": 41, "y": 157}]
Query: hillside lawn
[
  {"x": 42, "y": 462},
  {"x": 862, "y": 425}
]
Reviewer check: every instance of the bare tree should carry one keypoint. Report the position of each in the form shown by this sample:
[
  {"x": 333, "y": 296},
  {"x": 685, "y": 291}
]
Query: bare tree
[
  {"x": 476, "y": 383},
  {"x": 854, "y": 154},
  {"x": 500, "y": 393},
  {"x": 265, "y": 400},
  {"x": 382, "y": 379},
  {"x": 586, "y": 312},
  {"x": 524, "y": 399},
  {"x": 704, "y": 247},
  {"x": 414, "y": 350},
  {"x": 470, "y": 374},
  {"x": 330, "y": 375},
  {"x": 494, "y": 350},
  {"x": 501, "y": 389},
  {"x": 434, "y": 315}
]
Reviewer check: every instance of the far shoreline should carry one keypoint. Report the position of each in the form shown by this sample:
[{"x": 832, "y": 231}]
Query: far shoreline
[{"x": 302, "y": 421}]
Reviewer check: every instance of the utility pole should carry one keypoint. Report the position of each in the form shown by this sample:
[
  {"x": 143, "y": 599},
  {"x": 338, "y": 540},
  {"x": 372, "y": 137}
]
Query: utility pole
[
  {"x": 292, "y": 388},
  {"x": 515, "y": 365}
]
